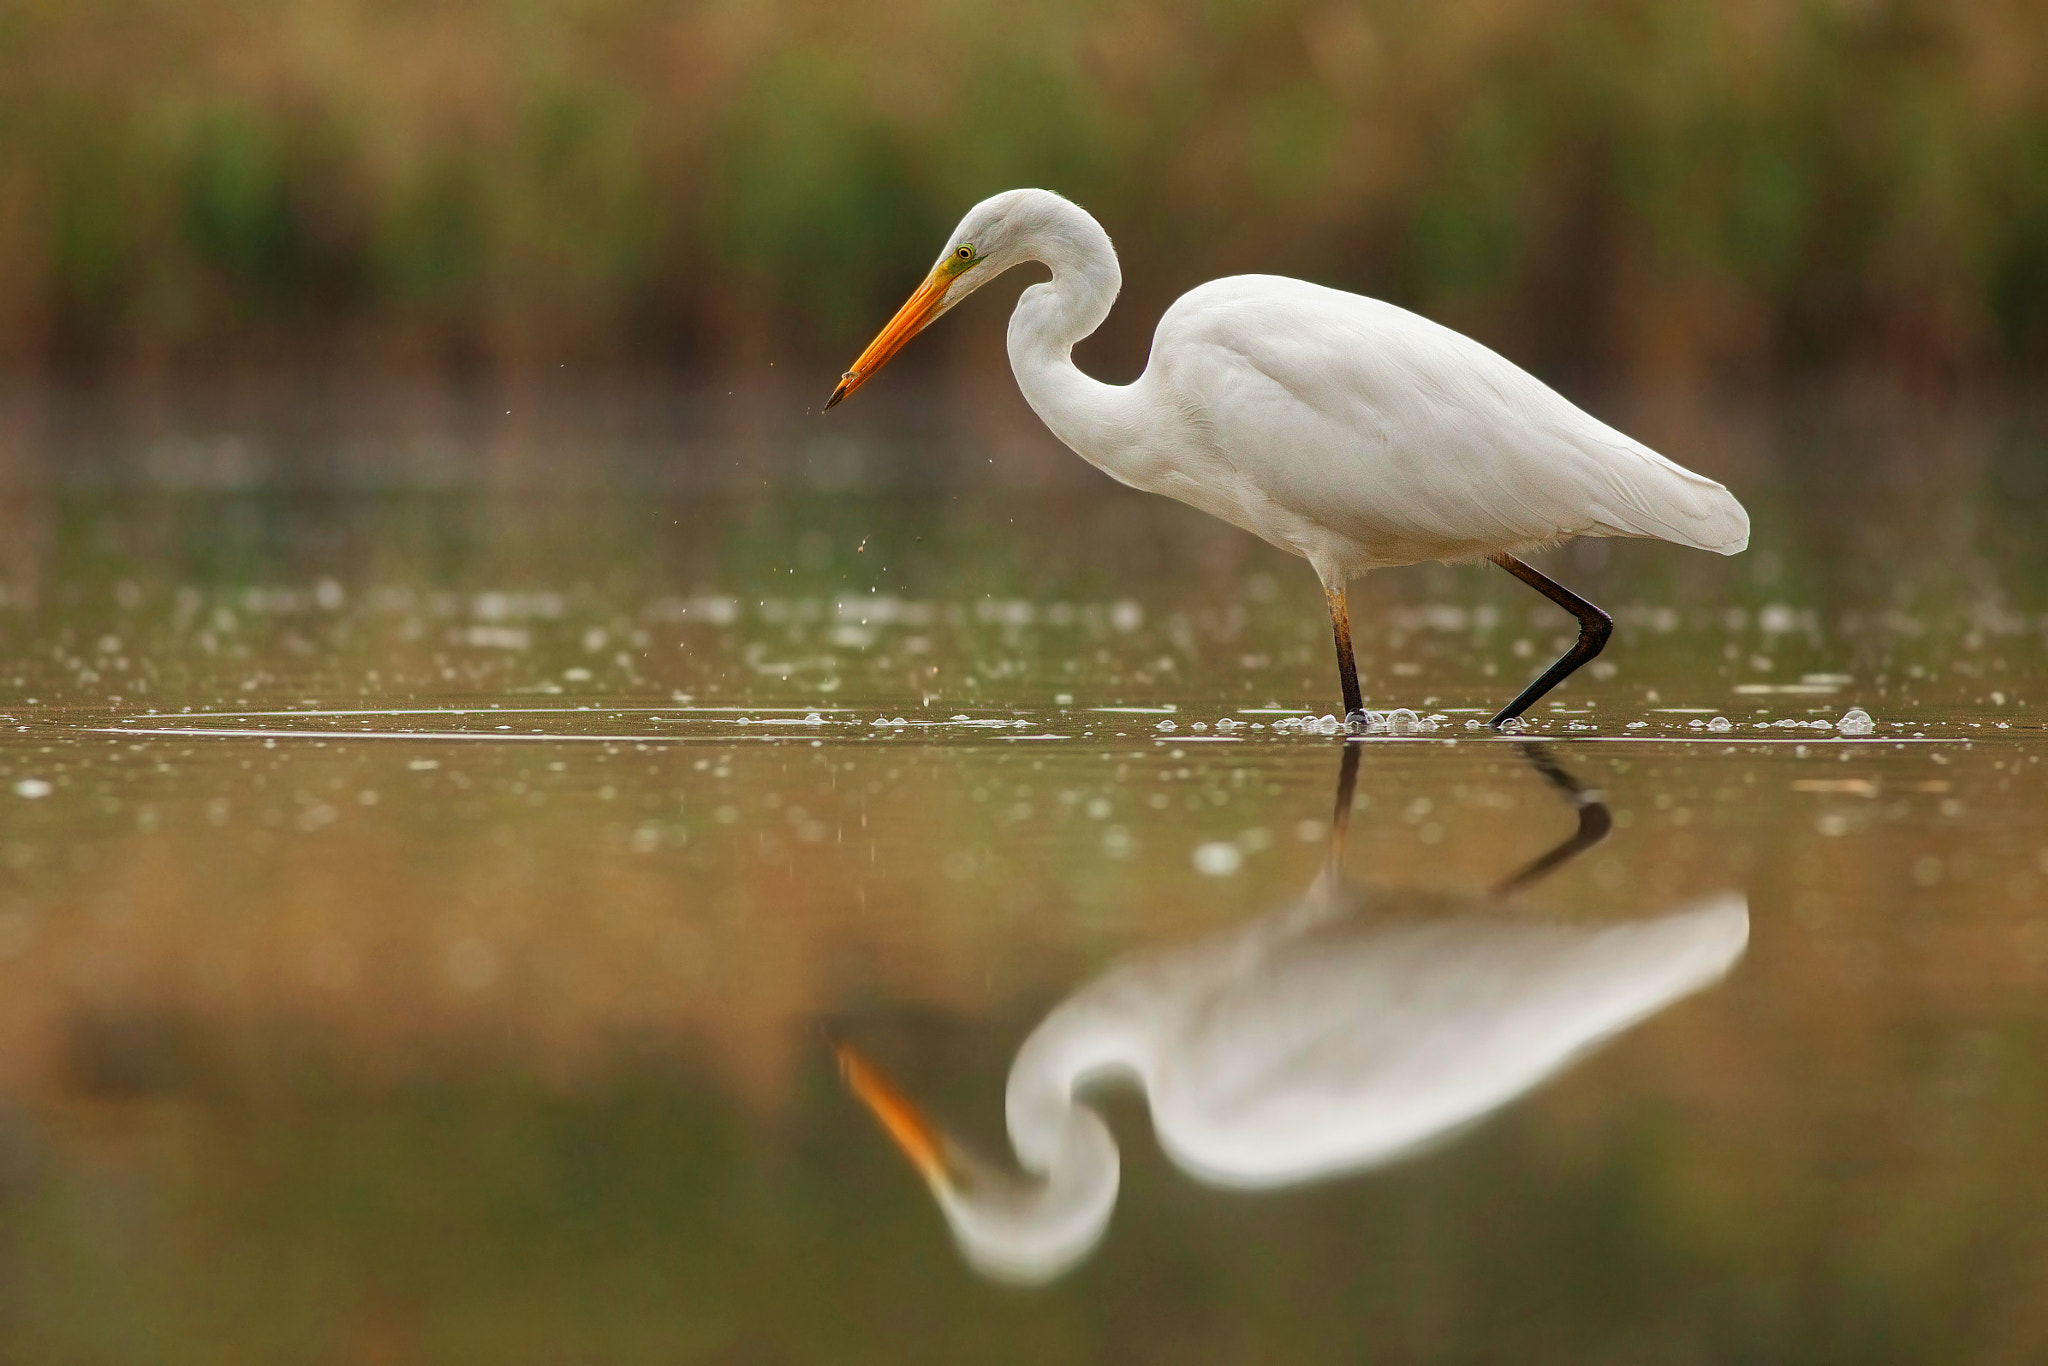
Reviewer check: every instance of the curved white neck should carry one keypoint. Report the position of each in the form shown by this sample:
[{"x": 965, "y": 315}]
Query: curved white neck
[
  {"x": 1032, "y": 1230},
  {"x": 1098, "y": 421}
]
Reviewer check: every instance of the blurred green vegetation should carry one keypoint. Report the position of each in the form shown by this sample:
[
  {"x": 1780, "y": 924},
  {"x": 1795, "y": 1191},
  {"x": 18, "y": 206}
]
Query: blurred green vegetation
[
  {"x": 479, "y": 1217},
  {"x": 1665, "y": 192}
]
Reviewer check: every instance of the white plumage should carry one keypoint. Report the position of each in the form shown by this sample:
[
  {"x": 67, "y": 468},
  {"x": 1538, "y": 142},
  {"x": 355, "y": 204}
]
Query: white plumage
[
  {"x": 1385, "y": 439},
  {"x": 1348, "y": 431},
  {"x": 1350, "y": 1029},
  {"x": 1354, "y": 1029}
]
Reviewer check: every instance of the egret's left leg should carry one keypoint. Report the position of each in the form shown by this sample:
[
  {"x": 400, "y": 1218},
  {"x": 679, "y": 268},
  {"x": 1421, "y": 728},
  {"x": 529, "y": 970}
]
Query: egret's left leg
[
  {"x": 1594, "y": 628},
  {"x": 1347, "y": 665},
  {"x": 1340, "y": 817}
]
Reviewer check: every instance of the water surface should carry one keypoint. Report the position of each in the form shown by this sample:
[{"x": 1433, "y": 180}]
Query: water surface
[{"x": 428, "y": 916}]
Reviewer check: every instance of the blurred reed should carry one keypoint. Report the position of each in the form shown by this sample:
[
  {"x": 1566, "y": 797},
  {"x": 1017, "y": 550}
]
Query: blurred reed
[{"x": 1675, "y": 193}]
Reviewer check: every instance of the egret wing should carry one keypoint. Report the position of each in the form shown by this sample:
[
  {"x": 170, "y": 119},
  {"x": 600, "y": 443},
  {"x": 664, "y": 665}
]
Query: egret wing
[
  {"x": 1359, "y": 1043},
  {"x": 1408, "y": 439}
]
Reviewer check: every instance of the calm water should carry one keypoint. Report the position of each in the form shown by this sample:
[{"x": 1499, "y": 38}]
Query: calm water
[{"x": 434, "y": 913}]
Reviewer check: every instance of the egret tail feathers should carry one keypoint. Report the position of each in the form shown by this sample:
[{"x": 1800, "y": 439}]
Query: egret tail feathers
[{"x": 1656, "y": 498}]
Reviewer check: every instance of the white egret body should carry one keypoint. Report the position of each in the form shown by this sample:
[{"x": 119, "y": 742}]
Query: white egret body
[
  {"x": 1350, "y": 432},
  {"x": 1350, "y": 1029}
]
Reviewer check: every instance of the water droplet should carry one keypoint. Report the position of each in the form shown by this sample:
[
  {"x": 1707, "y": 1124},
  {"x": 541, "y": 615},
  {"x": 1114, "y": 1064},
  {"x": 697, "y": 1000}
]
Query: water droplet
[
  {"x": 32, "y": 788},
  {"x": 1720, "y": 723},
  {"x": 1218, "y": 858},
  {"x": 1855, "y": 721}
]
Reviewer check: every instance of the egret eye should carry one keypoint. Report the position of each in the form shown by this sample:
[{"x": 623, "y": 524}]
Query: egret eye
[{"x": 964, "y": 252}]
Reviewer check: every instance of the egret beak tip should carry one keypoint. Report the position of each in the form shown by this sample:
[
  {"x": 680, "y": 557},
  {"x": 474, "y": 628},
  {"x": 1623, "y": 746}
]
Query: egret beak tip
[
  {"x": 845, "y": 387},
  {"x": 912, "y": 1132},
  {"x": 918, "y": 310}
]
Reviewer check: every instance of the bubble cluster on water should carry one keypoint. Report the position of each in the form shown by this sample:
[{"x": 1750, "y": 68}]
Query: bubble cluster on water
[{"x": 1395, "y": 721}]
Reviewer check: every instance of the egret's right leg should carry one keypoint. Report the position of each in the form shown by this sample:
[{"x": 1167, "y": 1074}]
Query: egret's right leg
[
  {"x": 1594, "y": 822},
  {"x": 1594, "y": 628},
  {"x": 1347, "y": 665}
]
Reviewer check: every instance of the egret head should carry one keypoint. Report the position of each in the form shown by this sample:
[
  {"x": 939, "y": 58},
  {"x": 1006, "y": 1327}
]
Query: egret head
[
  {"x": 1011, "y": 1228},
  {"x": 989, "y": 240}
]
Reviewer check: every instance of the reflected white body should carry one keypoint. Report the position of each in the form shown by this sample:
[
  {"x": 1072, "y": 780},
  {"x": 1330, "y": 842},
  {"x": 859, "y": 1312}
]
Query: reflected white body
[
  {"x": 1348, "y": 431},
  {"x": 1345, "y": 1031}
]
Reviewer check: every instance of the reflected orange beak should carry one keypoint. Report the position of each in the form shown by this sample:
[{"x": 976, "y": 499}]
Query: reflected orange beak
[
  {"x": 908, "y": 322},
  {"x": 913, "y": 1133}
]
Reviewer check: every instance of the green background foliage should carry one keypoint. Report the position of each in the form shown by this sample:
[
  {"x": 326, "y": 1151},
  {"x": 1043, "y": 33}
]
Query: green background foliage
[{"x": 1660, "y": 193}]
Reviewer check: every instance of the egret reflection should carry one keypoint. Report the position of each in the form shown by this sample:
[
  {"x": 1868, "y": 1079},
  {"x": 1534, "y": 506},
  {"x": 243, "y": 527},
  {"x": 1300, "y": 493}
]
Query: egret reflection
[{"x": 1351, "y": 1028}]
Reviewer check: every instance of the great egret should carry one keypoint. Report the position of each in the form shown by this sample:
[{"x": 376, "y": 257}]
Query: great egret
[
  {"x": 1348, "y": 431},
  {"x": 1349, "y": 1029}
]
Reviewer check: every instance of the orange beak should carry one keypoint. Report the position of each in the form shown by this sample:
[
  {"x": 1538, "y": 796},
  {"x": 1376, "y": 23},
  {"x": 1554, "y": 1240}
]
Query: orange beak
[
  {"x": 908, "y": 322},
  {"x": 913, "y": 1133}
]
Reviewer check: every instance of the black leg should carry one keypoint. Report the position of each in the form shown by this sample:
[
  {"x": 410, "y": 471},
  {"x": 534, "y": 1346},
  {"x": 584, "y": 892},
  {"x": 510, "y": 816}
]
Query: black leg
[
  {"x": 1347, "y": 666},
  {"x": 1347, "y": 787},
  {"x": 1594, "y": 822},
  {"x": 1340, "y": 816},
  {"x": 1594, "y": 628}
]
